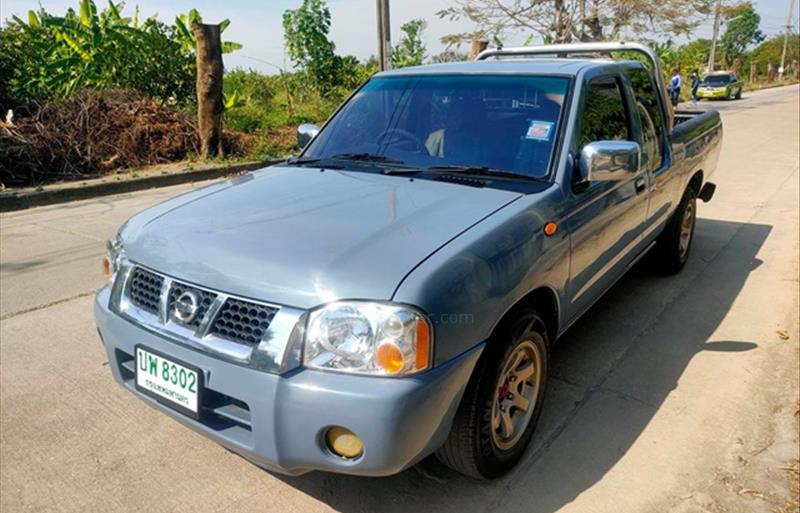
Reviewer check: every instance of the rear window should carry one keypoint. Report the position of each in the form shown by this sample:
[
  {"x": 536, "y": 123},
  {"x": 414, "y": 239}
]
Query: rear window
[{"x": 502, "y": 122}]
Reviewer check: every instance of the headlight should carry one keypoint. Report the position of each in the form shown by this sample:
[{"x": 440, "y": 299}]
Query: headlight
[
  {"x": 111, "y": 262},
  {"x": 362, "y": 337}
]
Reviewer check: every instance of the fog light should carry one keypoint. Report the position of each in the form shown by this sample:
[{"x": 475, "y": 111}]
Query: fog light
[{"x": 344, "y": 442}]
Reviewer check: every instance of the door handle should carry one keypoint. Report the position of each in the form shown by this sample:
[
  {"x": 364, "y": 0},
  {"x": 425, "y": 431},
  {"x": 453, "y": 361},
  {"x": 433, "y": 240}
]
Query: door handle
[{"x": 640, "y": 184}]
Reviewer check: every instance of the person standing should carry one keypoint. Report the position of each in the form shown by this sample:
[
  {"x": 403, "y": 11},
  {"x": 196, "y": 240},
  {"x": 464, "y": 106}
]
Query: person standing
[
  {"x": 695, "y": 84},
  {"x": 675, "y": 87}
]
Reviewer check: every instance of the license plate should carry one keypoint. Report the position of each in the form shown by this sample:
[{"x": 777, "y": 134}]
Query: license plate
[{"x": 175, "y": 384}]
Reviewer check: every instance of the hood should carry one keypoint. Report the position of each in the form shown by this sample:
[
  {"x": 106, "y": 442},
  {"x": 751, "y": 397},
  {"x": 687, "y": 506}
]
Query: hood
[{"x": 302, "y": 236}]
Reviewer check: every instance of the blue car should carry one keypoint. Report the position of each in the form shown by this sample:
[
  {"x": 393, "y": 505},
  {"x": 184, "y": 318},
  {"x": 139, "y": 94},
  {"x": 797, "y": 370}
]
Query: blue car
[{"x": 394, "y": 291}]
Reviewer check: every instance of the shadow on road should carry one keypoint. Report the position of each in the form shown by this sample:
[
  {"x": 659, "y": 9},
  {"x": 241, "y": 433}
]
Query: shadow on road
[{"x": 610, "y": 374}]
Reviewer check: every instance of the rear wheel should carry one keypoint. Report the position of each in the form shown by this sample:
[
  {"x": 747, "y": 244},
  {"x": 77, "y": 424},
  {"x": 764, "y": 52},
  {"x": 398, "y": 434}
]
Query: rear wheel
[
  {"x": 498, "y": 413},
  {"x": 675, "y": 242}
]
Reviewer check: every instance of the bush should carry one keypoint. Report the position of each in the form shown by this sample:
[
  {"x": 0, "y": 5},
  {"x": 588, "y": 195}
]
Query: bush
[
  {"x": 51, "y": 57},
  {"x": 95, "y": 132},
  {"x": 91, "y": 133},
  {"x": 249, "y": 95}
]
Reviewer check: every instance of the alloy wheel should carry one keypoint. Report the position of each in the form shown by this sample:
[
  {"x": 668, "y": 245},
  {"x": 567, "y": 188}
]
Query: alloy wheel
[{"x": 516, "y": 393}]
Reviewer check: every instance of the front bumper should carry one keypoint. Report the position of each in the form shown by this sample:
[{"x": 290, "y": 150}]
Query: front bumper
[
  {"x": 721, "y": 93},
  {"x": 279, "y": 421}
]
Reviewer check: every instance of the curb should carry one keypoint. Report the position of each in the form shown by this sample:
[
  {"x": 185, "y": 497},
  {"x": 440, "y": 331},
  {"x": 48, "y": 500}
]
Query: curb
[{"x": 11, "y": 201}]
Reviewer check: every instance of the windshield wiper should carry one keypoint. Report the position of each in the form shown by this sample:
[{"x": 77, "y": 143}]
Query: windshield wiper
[
  {"x": 302, "y": 160},
  {"x": 466, "y": 170},
  {"x": 366, "y": 157}
]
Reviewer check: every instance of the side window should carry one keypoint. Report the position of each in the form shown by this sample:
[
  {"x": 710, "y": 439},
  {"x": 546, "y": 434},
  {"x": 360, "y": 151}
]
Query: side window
[
  {"x": 650, "y": 113},
  {"x": 604, "y": 117}
]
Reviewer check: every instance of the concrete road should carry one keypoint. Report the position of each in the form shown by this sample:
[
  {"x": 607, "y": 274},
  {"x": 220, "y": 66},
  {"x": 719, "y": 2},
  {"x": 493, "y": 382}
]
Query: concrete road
[{"x": 672, "y": 395}]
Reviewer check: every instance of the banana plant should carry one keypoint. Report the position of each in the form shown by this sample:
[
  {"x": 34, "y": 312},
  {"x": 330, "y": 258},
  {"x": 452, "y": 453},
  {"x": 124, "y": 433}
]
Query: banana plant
[
  {"x": 100, "y": 49},
  {"x": 183, "y": 24}
]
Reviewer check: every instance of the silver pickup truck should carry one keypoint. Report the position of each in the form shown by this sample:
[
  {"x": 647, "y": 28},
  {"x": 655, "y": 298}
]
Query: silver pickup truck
[{"x": 395, "y": 290}]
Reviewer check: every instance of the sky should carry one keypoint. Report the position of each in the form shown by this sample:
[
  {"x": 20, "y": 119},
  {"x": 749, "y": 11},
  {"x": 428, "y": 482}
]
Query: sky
[{"x": 257, "y": 24}]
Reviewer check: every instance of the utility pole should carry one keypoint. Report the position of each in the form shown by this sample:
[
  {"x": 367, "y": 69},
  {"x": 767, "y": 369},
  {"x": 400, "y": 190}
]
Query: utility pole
[
  {"x": 384, "y": 36},
  {"x": 782, "y": 69},
  {"x": 717, "y": 15}
]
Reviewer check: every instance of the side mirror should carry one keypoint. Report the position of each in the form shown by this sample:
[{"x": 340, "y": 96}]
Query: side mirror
[
  {"x": 305, "y": 133},
  {"x": 608, "y": 161}
]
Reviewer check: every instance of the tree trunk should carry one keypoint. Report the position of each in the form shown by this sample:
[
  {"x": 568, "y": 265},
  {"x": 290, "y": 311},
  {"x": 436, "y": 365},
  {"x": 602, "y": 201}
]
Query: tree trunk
[
  {"x": 478, "y": 45},
  {"x": 770, "y": 72},
  {"x": 289, "y": 97},
  {"x": 209, "y": 89},
  {"x": 753, "y": 71},
  {"x": 595, "y": 27},
  {"x": 563, "y": 25}
]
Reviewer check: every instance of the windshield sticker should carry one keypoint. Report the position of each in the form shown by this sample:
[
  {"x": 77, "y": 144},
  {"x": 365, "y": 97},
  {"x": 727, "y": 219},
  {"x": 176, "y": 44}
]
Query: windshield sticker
[{"x": 540, "y": 130}]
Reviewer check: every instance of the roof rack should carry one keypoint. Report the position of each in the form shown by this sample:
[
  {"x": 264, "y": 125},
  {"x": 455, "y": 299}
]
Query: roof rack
[{"x": 582, "y": 50}]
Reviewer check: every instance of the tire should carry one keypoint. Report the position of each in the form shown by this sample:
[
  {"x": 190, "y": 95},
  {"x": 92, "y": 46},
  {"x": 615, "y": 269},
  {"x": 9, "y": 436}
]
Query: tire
[
  {"x": 739, "y": 94},
  {"x": 482, "y": 444},
  {"x": 674, "y": 244},
  {"x": 731, "y": 96}
]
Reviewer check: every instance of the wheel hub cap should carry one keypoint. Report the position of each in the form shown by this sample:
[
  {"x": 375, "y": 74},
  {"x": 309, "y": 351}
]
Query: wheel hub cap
[
  {"x": 517, "y": 390},
  {"x": 687, "y": 229}
]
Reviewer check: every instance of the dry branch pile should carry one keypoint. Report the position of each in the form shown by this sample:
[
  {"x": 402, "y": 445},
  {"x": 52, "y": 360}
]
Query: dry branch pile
[{"x": 95, "y": 132}]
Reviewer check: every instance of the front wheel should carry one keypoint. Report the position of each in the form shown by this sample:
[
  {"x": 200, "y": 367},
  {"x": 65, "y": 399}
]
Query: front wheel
[
  {"x": 498, "y": 413},
  {"x": 673, "y": 245},
  {"x": 739, "y": 94}
]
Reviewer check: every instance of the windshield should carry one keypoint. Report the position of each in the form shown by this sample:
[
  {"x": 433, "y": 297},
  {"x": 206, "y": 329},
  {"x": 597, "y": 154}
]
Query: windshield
[
  {"x": 507, "y": 123},
  {"x": 717, "y": 79}
]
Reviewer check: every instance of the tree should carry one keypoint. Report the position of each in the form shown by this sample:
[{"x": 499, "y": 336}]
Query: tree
[
  {"x": 741, "y": 31},
  {"x": 410, "y": 51},
  {"x": 693, "y": 55},
  {"x": 183, "y": 24},
  {"x": 50, "y": 56},
  {"x": 769, "y": 51},
  {"x": 306, "y": 35},
  {"x": 561, "y": 21},
  {"x": 450, "y": 55}
]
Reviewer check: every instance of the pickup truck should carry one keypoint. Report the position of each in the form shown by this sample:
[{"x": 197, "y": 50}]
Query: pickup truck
[
  {"x": 723, "y": 84},
  {"x": 394, "y": 291}
]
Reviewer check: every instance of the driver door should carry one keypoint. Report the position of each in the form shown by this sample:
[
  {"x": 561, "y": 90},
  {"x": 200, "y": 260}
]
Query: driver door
[{"x": 607, "y": 218}]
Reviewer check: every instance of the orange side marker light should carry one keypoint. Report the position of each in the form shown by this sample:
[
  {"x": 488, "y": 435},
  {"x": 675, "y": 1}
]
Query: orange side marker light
[
  {"x": 550, "y": 228},
  {"x": 423, "y": 345}
]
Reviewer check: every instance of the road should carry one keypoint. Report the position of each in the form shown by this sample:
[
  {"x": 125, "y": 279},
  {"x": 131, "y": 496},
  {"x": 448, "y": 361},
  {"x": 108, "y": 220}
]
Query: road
[{"x": 672, "y": 395}]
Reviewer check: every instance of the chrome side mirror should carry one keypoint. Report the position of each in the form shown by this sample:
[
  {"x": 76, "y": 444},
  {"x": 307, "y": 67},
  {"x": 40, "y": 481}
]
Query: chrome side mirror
[
  {"x": 305, "y": 133},
  {"x": 608, "y": 161}
]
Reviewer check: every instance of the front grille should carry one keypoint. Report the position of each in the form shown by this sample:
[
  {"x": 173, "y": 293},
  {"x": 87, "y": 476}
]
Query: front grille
[
  {"x": 205, "y": 299},
  {"x": 242, "y": 321},
  {"x": 145, "y": 289},
  {"x": 232, "y": 319}
]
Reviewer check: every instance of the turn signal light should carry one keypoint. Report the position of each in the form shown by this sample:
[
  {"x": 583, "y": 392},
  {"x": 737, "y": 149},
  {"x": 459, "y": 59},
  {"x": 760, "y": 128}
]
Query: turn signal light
[
  {"x": 423, "y": 344},
  {"x": 107, "y": 269},
  {"x": 390, "y": 358}
]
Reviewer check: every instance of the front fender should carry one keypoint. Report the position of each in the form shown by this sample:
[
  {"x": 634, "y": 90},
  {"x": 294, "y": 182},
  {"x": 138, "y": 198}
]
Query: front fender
[{"x": 467, "y": 286}]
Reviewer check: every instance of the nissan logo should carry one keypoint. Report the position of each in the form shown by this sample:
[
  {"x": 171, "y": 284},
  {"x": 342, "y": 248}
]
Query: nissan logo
[{"x": 186, "y": 307}]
